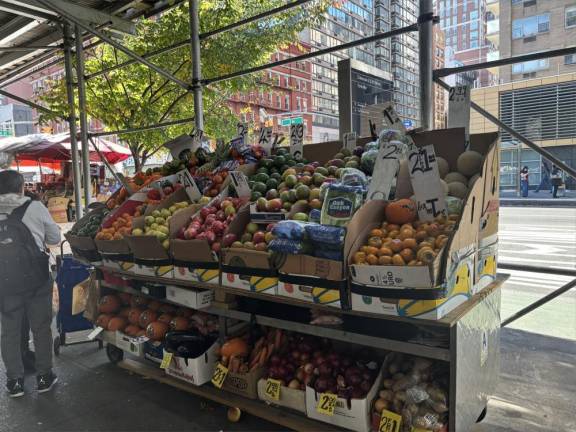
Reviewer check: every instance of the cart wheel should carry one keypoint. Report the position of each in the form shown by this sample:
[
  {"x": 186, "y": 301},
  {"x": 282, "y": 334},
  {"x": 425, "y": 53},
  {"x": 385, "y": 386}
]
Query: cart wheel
[
  {"x": 100, "y": 344},
  {"x": 482, "y": 414},
  {"x": 234, "y": 414},
  {"x": 114, "y": 354},
  {"x": 56, "y": 346}
]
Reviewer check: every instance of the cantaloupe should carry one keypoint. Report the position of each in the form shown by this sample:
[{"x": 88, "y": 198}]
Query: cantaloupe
[
  {"x": 469, "y": 163},
  {"x": 445, "y": 186},
  {"x": 457, "y": 189},
  {"x": 473, "y": 179},
  {"x": 443, "y": 167},
  {"x": 456, "y": 177}
]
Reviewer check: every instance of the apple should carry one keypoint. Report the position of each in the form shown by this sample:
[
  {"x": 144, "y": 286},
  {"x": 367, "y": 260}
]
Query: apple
[
  {"x": 251, "y": 228},
  {"x": 218, "y": 227},
  {"x": 226, "y": 203},
  {"x": 229, "y": 239},
  {"x": 262, "y": 247},
  {"x": 216, "y": 247},
  {"x": 269, "y": 227},
  {"x": 230, "y": 210},
  {"x": 262, "y": 204},
  {"x": 210, "y": 237},
  {"x": 237, "y": 244},
  {"x": 258, "y": 237},
  {"x": 190, "y": 233},
  {"x": 246, "y": 237},
  {"x": 149, "y": 220},
  {"x": 201, "y": 236},
  {"x": 220, "y": 215},
  {"x": 268, "y": 237},
  {"x": 180, "y": 234},
  {"x": 248, "y": 245}
]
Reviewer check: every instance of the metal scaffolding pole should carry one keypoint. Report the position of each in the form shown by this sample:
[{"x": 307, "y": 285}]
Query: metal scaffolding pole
[
  {"x": 196, "y": 64},
  {"x": 143, "y": 128},
  {"x": 567, "y": 169},
  {"x": 115, "y": 44},
  {"x": 83, "y": 116},
  {"x": 72, "y": 119},
  {"x": 425, "y": 55},
  {"x": 27, "y": 102}
]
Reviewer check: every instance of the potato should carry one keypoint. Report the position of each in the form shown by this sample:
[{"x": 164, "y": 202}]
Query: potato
[{"x": 380, "y": 405}]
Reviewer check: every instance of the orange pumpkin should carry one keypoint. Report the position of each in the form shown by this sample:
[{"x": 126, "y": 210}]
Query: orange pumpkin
[
  {"x": 401, "y": 211},
  {"x": 147, "y": 317},
  {"x": 117, "y": 324},
  {"x": 179, "y": 323},
  {"x": 156, "y": 330},
  {"x": 235, "y": 347},
  {"x": 184, "y": 312},
  {"x": 103, "y": 320},
  {"x": 134, "y": 315},
  {"x": 131, "y": 330},
  {"x": 154, "y": 305},
  {"x": 124, "y": 312},
  {"x": 125, "y": 298},
  {"x": 109, "y": 304},
  {"x": 165, "y": 318}
]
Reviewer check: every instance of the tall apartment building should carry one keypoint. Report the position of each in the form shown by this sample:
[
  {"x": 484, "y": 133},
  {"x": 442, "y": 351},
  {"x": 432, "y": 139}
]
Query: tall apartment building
[
  {"x": 537, "y": 98},
  {"x": 287, "y": 96},
  {"x": 471, "y": 29},
  {"x": 396, "y": 57},
  {"x": 440, "y": 95}
]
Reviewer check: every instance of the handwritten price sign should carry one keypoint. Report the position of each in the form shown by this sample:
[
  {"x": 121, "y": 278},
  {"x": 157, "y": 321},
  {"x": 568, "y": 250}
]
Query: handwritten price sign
[
  {"x": 326, "y": 403},
  {"x": 219, "y": 376},
  {"x": 240, "y": 184},
  {"x": 389, "y": 422},
  {"x": 385, "y": 170},
  {"x": 166, "y": 360},
  {"x": 425, "y": 179},
  {"x": 297, "y": 140},
  {"x": 459, "y": 109},
  {"x": 272, "y": 389}
]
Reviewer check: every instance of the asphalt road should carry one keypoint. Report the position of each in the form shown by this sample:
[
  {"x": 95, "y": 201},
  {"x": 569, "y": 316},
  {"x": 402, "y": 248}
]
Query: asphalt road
[{"x": 539, "y": 237}]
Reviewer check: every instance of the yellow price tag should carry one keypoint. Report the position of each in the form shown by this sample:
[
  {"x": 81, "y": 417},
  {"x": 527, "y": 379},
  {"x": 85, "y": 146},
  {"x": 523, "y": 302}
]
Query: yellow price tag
[
  {"x": 326, "y": 403},
  {"x": 219, "y": 375},
  {"x": 389, "y": 422},
  {"x": 166, "y": 360},
  {"x": 272, "y": 389}
]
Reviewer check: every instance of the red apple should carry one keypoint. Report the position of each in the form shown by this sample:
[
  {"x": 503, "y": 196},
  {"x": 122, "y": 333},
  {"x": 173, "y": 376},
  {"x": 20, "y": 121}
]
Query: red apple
[
  {"x": 210, "y": 237},
  {"x": 226, "y": 203},
  {"x": 258, "y": 237},
  {"x": 205, "y": 211},
  {"x": 262, "y": 247},
  {"x": 216, "y": 247},
  {"x": 220, "y": 215},
  {"x": 201, "y": 236},
  {"x": 229, "y": 239},
  {"x": 274, "y": 205},
  {"x": 230, "y": 210},
  {"x": 269, "y": 227},
  {"x": 190, "y": 234},
  {"x": 218, "y": 227},
  {"x": 180, "y": 234}
]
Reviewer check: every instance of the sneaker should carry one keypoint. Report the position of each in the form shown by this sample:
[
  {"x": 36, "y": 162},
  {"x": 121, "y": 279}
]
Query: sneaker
[
  {"x": 15, "y": 387},
  {"x": 46, "y": 382}
]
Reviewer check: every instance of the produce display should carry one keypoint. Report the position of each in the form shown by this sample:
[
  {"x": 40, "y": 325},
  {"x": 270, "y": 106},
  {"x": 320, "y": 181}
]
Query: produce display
[
  {"x": 255, "y": 236},
  {"x": 121, "y": 227},
  {"x": 417, "y": 389},
  {"x": 89, "y": 225},
  {"x": 157, "y": 223},
  {"x": 136, "y": 316}
]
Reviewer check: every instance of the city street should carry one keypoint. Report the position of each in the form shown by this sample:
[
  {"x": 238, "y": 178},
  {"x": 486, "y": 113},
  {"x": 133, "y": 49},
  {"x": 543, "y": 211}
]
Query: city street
[{"x": 546, "y": 237}]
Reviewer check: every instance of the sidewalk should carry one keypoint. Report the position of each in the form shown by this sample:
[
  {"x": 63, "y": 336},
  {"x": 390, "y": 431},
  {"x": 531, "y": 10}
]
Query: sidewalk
[{"x": 541, "y": 199}]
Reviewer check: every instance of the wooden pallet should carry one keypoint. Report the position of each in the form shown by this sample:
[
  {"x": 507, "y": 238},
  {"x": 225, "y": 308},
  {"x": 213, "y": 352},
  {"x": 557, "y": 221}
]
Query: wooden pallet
[{"x": 281, "y": 416}]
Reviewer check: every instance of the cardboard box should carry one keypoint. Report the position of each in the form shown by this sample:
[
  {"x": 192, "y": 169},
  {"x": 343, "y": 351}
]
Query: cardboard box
[
  {"x": 132, "y": 345},
  {"x": 289, "y": 398},
  {"x": 196, "y": 371},
  {"x": 458, "y": 288},
  {"x": 84, "y": 248},
  {"x": 108, "y": 337},
  {"x": 353, "y": 414},
  {"x": 266, "y": 217},
  {"x": 430, "y": 282},
  {"x": 486, "y": 263},
  {"x": 194, "y": 260},
  {"x": 246, "y": 269},
  {"x": 189, "y": 297},
  {"x": 58, "y": 209},
  {"x": 244, "y": 384}
]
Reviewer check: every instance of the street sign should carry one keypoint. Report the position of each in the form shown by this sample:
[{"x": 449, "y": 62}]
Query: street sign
[
  {"x": 407, "y": 123},
  {"x": 291, "y": 121}
]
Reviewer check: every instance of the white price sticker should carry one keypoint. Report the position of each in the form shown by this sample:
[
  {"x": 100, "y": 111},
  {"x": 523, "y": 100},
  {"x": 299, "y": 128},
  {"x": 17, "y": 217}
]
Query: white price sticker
[
  {"x": 459, "y": 109},
  {"x": 95, "y": 333},
  {"x": 190, "y": 186},
  {"x": 425, "y": 179},
  {"x": 385, "y": 170},
  {"x": 350, "y": 140},
  {"x": 265, "y": 139},
  {"x": 240, "y": 184},
  {"x": 297, "y": 140}
]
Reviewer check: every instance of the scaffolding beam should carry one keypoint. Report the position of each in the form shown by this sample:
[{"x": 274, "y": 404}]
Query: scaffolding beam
[
  {"x": 425, "y": 57},
  {"x": 29, "y": 103},
  {"x": 83, "y": 116},
  {"x": 196, "y": 64},
  {"x": 142, "y": 129}
]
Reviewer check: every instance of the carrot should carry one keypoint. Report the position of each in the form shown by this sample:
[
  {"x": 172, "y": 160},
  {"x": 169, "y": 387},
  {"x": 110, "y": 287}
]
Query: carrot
[
  {"x": 278, "y": 339},
  {"x": 263, "y": 356}
]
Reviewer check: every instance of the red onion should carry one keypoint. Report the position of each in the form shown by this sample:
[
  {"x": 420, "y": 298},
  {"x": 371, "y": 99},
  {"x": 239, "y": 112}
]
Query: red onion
[
  {"x": 354, "y": 379},
  {"x": 296, "y": 355},
  {"x": 304, "y": 347},
  {"x": 319, "y": 360},
  {"x": 309, "y": 368},
  {"x": 324, "y": 369},
  {"x": 317, "y": 354},
  {"x": 282, "y": 372},
  {"x": 274, "y": 360},
  {"x": 332, "y": 356},
  {"x": 273, "y": 372},
  {"x": 335, "y": 363},
  {"x": 357, "y": 393},
  {"x": 352, "y": 370},
  {"x": 346, "y": 362},
  {"x": 290, "y": 367},
  {"x": 304, "y": 357},
  {"x": 300, "y": 374},
  {"x": 321, "y": 385},
  {"x": 367, "y": 376}
]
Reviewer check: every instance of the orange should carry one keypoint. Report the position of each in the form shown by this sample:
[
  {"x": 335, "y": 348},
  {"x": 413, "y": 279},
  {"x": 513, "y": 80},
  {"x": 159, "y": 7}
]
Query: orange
[
  {"x": 372, "y": 259},
  {"x": 384, "y": 260},
  {"x": 398, "y": 260}
]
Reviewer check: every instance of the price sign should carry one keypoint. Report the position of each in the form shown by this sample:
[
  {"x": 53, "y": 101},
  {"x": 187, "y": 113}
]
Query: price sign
[
  {"x": 389, "y": 422},
  {"x": 425, "y": 179},
  {"x": 265, "y": 139},
  {"x": 350, "y": 140},
  {"x": 95, "y": 332},
  {"x": 272, "y": 389},
  {"x": 385, "y": 170},
  {"x": 326, "y": 403},
  {"x": 240, "y": 184},
  {"x": 242, "y": 131},
  {"x": 297, "y": 140},
  {"x": 197, "y": 139},
  {"x": 185, "y": 179},
  {"x": 459, "y": 109},
  {"x": 219, "y": 375},
  {"x": 166, "y": 360}
]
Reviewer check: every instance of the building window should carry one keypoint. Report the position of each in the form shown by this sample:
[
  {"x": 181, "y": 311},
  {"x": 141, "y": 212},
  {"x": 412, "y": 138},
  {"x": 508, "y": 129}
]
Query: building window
[
  {"x": 530, "y": 66},
  {"x": 570, "y": 17},
  {"x": 530, "y": 26},
  {"x": 570, "y": 59},
  {"x": 286, "y": 102}
]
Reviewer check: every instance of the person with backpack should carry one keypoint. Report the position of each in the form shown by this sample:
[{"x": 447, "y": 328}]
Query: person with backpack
[
  {"x": 556, "y": 181},
  {"x": 26, "y": 228}
]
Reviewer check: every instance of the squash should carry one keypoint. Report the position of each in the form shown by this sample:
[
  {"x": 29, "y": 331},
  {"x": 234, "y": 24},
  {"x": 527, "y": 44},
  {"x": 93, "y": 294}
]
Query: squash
[
  {"x": 179, "y": 323},
  {"x": 109, "y": 304},
  {"x": 125, "y": 298},
  {"x": 235, "y": 347},
  {"x": 117, "y": 324},
  {"x": 103, "y": 320},
  {"x": 131, "y": 330},
  {"x": 156, "y": 330},
  {"x": 401, "y": 211},
  {"x": 165, "y": 318},
  {"x": 134, "y": 315},
  {"x": 147, "y": 317}
]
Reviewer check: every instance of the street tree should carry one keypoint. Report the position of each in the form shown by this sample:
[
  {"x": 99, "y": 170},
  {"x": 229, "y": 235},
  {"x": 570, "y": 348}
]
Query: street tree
[{"x": 135, "y": 96}]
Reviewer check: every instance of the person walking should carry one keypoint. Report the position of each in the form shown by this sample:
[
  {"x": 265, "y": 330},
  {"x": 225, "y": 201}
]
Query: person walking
[
  {"x": 26, "y": 228},
  {"x": 556, "y": 180},
  {"x": 524, "y": 181},
  {"x": 544, "y": 178}
]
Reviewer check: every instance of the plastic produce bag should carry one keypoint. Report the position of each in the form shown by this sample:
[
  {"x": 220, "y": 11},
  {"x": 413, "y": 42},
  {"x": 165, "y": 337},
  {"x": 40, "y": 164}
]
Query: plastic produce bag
[
  {"x": 368, "y": 160},
  {"x": 331, "y": 235},
  {"x": 353, "y": 177},
  {"x": 290, "y": 230},
  {"x": 292, "y": 247},
  {"x": 315, "y": 215},
  {"x": 341, "y": 203}
]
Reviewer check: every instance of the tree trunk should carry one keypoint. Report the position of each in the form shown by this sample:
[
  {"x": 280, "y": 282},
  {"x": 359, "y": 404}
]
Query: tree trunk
[{"x": 137, "y": 159}]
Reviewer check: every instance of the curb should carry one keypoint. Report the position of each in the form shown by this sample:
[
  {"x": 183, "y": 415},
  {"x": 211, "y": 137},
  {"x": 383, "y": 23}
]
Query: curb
[{"x": 504, "y": 202}]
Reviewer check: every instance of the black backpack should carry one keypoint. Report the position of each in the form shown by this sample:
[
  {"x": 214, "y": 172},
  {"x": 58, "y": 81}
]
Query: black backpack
[{"x": 23, "y": 266}]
